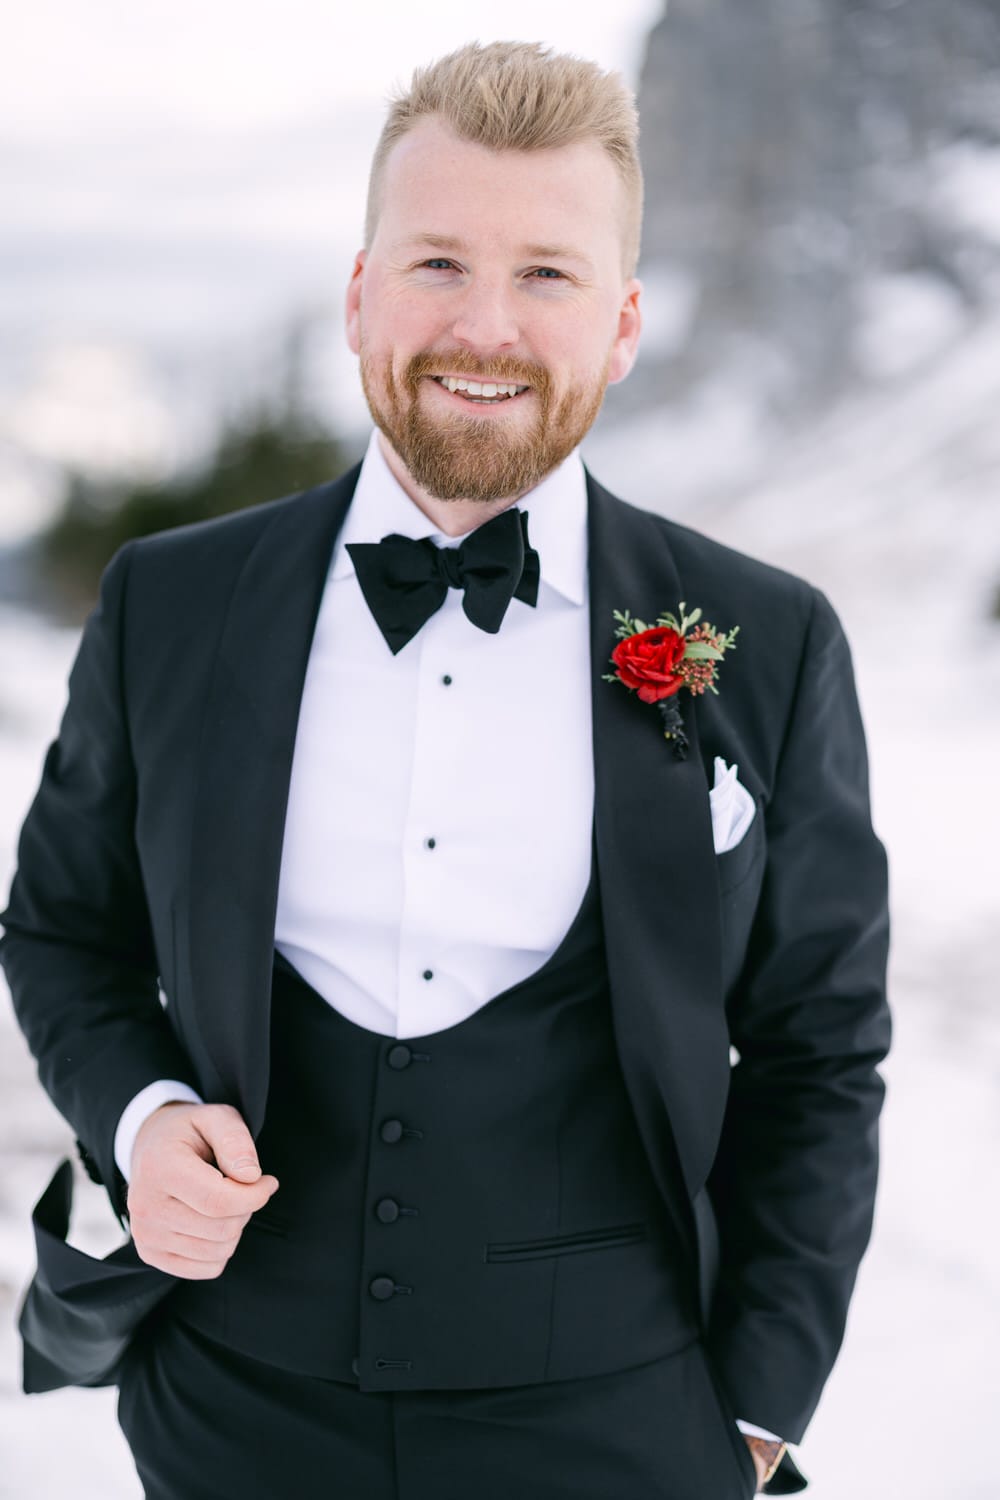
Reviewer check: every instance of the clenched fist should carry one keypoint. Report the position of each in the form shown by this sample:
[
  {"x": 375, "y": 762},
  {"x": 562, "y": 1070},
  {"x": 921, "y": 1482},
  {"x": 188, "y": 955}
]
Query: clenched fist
[{"x": 194, "y": 1185}]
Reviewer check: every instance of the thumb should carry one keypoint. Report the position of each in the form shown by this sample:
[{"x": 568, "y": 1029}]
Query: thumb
[{"x": 225, "y": 1132}]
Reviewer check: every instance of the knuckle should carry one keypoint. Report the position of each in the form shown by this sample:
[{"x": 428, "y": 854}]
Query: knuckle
[{"x": 219, "y": 1116}]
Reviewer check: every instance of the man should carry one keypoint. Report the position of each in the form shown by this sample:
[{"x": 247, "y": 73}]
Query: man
[{"x": 453, "y": 935}]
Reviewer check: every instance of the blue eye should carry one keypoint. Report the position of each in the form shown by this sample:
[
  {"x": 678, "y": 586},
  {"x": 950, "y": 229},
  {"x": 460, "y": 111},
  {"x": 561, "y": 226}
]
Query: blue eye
[
  {"x": 436, "y": 262},
  {"x": 547, "y": 271}
]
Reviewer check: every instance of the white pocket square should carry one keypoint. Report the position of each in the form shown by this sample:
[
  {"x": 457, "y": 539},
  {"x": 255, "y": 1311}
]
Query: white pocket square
[{"x": 732, "y": 807}]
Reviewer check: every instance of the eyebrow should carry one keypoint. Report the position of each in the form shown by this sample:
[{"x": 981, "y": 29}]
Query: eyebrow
[{"x": 534, "y": 252}]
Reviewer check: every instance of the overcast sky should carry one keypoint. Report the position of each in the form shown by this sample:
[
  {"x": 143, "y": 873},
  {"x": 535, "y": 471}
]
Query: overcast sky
[{"x": 230, "y": 64}]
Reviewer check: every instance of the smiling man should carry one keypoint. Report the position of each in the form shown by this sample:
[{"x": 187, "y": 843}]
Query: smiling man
[{"x": 478, "y": 1034}]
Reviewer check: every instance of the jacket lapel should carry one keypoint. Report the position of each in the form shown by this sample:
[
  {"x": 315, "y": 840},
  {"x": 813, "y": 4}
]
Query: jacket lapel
[
  {"x": 656, "y": 860},
  {"x": 240, "y": 802}
]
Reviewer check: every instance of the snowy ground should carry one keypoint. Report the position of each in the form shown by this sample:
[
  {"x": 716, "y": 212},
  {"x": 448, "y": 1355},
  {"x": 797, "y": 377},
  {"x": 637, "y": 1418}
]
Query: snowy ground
[{"x": 892, "y": 510}]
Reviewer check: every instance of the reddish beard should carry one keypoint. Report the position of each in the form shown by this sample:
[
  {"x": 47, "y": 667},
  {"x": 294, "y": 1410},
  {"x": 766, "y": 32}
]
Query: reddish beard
[{"x": 467, "y": 457}]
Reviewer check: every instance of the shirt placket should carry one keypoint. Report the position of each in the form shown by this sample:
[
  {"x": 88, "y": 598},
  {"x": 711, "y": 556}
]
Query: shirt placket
[{"x": 425, "y": 855}]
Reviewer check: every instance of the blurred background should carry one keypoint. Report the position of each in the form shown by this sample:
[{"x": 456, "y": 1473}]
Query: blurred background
[{"x": 183, "y": 192}]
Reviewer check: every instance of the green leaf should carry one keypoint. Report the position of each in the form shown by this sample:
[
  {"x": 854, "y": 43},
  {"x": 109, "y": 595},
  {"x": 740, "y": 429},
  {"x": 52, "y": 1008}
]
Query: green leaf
[{"x": 702, "y": 651}]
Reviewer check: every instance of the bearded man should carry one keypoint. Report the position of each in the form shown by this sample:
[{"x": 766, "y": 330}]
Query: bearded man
[{"x": 478, "y": 1035}]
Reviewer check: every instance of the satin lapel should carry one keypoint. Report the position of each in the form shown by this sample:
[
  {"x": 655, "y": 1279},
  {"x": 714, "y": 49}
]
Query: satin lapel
[
  {"x": 656, "y": 862},
  {"x": 244, "y": 766}
]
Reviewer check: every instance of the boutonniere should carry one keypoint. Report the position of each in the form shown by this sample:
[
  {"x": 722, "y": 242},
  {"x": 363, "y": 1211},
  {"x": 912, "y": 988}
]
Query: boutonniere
[{"x": 657, "y": 661}]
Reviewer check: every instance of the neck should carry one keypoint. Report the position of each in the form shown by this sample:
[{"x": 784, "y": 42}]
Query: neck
[{"x": 452, "y": 517}]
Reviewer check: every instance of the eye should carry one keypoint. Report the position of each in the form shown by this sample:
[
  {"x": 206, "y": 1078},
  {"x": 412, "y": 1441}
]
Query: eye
[
  {"x": 547, "y": 272},
  {"x": 438, "y": 263}
]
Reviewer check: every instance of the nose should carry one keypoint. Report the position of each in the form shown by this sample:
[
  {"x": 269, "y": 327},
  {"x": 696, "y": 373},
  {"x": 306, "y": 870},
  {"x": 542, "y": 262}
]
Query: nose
[{"x": 485, "y": 319}]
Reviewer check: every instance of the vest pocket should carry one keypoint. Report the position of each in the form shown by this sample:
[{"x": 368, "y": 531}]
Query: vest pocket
[{"x": 566, "y": 1244}]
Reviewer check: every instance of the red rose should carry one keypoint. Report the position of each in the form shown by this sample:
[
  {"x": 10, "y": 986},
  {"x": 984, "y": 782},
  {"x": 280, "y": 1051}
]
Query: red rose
[{"x": 646, "y": 662}]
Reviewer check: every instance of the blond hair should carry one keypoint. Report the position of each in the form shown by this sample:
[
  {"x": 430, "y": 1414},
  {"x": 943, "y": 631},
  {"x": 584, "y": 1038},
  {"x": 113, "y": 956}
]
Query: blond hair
[{"x": 521, "y": 96}]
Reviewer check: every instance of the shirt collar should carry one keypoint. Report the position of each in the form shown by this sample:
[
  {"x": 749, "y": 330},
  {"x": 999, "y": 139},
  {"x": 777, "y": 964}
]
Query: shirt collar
[{"x": 557, "y": 520}]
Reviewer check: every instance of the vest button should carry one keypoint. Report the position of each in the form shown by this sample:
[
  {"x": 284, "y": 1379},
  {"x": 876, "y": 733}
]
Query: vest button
[
  {"x": 391, "y": 1131},
  {"x": 382, "y": 1288},
  {"x": 399, "y": 1057},
  {"x": 387, "y": 1210}
]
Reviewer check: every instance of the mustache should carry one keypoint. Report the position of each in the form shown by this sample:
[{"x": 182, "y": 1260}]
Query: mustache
[{"x": 503, "y": 368}]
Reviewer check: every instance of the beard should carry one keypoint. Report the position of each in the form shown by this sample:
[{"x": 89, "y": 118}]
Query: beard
[{"x": 459, "y": 457}]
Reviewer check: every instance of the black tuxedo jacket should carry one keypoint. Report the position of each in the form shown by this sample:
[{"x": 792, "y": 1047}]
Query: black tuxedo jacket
[{"x": 150, "y": 858}]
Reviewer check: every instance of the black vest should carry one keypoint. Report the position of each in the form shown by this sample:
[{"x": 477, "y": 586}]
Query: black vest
[{"x": 467, "y": 1209}]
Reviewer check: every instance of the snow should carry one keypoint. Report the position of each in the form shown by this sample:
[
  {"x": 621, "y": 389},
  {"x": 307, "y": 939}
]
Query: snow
[
  {"x": 904, "y": 321},
  {"x": 967, "y": 185},
  {"x": 890, "y": 506}
]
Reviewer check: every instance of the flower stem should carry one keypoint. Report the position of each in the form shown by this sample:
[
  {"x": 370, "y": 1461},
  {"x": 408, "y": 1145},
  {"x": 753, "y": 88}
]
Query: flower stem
[{"x": 673, "y": 726}]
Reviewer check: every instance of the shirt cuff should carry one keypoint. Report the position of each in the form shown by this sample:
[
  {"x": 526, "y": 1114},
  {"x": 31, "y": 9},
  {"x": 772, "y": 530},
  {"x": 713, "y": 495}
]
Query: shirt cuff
[
  {"x": 135, "y": 1115},
  {"x": 749, "y": 1430}
]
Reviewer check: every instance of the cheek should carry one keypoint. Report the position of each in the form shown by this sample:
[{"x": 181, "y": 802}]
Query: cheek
[{"x": 406, "y": 317}]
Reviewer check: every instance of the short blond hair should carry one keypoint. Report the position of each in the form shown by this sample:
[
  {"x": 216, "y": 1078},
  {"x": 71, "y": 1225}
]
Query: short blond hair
[{"x": 521, "y": 96}]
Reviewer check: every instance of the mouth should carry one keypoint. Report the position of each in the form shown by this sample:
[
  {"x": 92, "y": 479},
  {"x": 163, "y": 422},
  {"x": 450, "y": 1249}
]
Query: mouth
[{"x": 480, "y": 392}]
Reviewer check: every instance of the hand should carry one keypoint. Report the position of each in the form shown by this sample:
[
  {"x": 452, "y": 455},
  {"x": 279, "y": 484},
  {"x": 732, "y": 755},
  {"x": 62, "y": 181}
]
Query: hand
[
  {"x": 763, "y": 1453},
  {"x": 195, "y": 1183},
  {"x": 759, "y": 1462}
]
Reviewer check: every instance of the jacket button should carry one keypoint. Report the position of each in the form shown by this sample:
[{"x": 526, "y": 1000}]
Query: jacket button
[
  {"x": 399, "y": 1057},
  {"x": 382, "y": 1288},
  {"x": 391, "y": 1131},
  {"x": 387, "y": 1210}
]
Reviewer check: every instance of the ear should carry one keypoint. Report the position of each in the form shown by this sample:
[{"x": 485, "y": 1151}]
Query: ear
[
  {"x": 352, "y": 308},
  {"x": 626, "y": 344}
]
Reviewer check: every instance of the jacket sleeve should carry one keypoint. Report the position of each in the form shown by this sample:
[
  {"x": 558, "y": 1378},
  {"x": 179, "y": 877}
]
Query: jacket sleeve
[
  {"x": 78, "y": 948},
  {"x": 794, "y": 1183}
]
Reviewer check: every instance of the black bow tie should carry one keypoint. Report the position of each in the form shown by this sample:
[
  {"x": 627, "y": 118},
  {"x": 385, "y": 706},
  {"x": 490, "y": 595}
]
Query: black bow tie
[{"x": 405, "y": 581}]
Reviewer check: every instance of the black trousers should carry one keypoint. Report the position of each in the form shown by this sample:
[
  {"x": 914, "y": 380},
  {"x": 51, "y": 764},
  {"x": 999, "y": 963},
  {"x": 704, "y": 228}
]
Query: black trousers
[{"x": 205, "y": 1423}]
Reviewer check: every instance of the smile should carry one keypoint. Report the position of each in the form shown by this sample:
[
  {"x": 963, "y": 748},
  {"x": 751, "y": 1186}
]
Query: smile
[{"x": 485, "y": 392}]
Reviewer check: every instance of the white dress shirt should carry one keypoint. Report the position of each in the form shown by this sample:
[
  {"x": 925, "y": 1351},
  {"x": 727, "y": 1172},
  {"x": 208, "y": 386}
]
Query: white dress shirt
[{"x": 437, "y": 843}]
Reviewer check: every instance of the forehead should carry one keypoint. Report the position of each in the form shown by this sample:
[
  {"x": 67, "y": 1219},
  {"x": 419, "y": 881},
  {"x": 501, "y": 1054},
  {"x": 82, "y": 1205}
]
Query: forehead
[{"x": 436, "y": 183}]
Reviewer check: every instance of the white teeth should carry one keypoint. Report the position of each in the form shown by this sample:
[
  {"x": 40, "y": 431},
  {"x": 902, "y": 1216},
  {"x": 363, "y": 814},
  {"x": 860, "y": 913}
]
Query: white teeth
[{"x": 489, "y": 389}]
